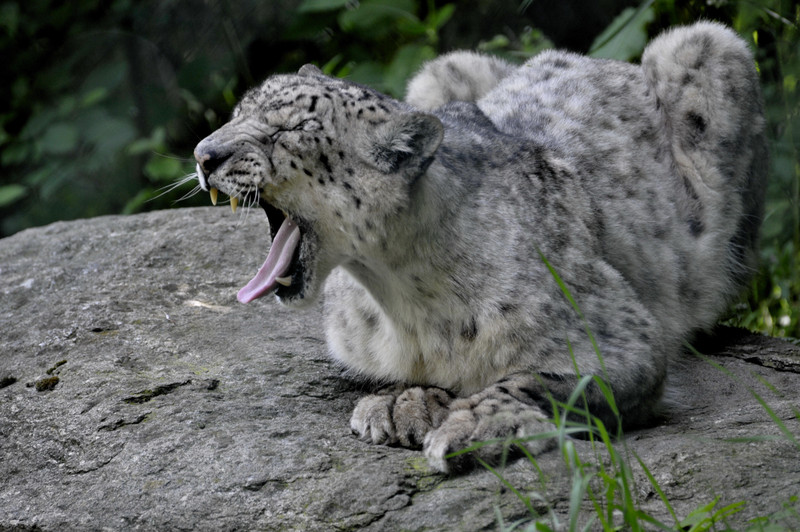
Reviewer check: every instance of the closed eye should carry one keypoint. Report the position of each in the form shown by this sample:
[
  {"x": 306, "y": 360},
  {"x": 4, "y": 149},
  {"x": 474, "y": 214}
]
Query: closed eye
[{"x": 305, "y": 125}]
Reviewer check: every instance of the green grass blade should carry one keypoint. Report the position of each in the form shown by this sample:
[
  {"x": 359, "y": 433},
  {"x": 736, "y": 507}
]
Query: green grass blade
[
  {"x": 525, "y": 500},
  {"x": 580, "y": 483},
  {"x": 535, "y": 463},
  {"x": 575, "y": 306},
  {"x": 788, "y": 434},
  {"x": 778, "y": 421},
  {"x": 658, "y": 489}
]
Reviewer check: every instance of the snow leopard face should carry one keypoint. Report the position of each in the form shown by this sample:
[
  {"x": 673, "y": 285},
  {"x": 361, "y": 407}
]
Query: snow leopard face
[{"x": 328, "y": 161}]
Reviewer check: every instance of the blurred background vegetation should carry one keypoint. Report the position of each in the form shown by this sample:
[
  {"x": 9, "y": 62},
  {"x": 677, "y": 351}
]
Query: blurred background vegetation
[{"x": 103, "y": 100}]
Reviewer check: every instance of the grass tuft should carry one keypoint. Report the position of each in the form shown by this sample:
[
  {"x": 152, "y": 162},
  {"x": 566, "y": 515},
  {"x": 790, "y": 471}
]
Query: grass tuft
[{"x": 606, "y": 481}]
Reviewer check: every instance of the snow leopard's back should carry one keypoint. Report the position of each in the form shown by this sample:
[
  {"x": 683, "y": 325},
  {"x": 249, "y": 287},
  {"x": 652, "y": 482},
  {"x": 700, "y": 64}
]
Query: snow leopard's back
[{"x": 672, "y": 153}]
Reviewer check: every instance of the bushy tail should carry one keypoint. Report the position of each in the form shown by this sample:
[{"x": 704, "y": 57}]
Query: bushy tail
[{"x": 706, "y": 85}]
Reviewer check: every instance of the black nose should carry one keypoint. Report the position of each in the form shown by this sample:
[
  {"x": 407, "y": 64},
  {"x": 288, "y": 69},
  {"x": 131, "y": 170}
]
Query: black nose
[{"x": 211, "y": 156}]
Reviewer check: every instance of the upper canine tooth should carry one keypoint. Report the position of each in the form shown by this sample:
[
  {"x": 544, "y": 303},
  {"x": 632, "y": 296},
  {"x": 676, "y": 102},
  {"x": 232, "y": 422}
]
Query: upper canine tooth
[
  {"x": 213, "y": 193},
  {"x": 234, "y": 203},
  {"x": 285, "y": 281}
]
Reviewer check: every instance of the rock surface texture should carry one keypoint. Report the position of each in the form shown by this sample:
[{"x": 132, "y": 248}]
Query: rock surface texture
[{"x": 136, "y": 393}]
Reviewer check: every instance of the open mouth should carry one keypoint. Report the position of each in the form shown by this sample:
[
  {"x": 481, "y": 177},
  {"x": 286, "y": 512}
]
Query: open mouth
[{"x": 283, "y": 270}]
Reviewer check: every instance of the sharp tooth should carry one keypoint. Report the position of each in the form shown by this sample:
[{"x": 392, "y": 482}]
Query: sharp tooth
[
  {"x": 234, "y": 203},
  {"x": 213, "y": 193},
  {"x": 285, "y": 281}
]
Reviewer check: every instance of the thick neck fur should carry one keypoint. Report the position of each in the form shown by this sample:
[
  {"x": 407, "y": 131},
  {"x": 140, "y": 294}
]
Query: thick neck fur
[{"x": 415, "y": 274}]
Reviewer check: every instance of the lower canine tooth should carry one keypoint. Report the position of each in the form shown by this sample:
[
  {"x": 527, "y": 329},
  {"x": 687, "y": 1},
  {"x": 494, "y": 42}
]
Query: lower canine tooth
[
  {"x": 234, "y": 203},
  {"x": 213, "y": 193},
  {"x": 285, "y": 281}
]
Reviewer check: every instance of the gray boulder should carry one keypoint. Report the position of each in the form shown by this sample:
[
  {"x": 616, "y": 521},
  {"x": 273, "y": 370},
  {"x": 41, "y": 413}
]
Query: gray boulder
[{"x": 136, "y": 393}]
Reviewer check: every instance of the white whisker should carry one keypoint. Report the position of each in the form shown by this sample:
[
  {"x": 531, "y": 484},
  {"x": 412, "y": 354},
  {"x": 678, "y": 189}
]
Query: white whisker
[
  {"x": 173, "y": 186},
  {"x": 173, "y": 157},
  {"x": 189, "y": 194}
]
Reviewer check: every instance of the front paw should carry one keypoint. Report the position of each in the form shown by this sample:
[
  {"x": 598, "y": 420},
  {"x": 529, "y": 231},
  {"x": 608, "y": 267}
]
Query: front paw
[
  {"x": 469, "y": 424},
  {"x": 400, "y": 417},
  {"x": 453, "y": 435},
  {"x": 416, "y": 412},
  {"x": 372, "y": 419}
]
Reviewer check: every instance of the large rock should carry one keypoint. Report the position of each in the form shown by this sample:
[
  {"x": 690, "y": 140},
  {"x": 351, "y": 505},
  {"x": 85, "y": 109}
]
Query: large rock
[{"x": 136, "y": 393}]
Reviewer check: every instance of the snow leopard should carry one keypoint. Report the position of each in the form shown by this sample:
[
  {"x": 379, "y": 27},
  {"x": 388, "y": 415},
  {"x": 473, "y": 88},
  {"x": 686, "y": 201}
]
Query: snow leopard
[{"x": 506, "y": 231}]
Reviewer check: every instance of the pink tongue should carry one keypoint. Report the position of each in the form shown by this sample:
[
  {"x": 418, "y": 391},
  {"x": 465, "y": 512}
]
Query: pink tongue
[{"x": 278, "y": 260}]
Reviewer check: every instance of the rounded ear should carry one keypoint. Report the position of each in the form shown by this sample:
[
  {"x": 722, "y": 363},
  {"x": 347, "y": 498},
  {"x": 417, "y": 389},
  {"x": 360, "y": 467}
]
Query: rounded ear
[
  {"x": 309, "y": 70},
  {"x": 405, "y": 143}
]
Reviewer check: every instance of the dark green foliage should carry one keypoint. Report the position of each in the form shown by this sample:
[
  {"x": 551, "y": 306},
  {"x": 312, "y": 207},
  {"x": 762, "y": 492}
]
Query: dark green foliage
[
  {"x": 103, "y": 100},
  {"x": 773, "y": 302}
]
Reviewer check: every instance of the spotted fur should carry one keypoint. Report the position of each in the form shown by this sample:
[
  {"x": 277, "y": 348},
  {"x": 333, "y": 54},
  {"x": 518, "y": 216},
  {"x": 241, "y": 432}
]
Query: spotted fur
[{"x": 441, "y": 225}]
